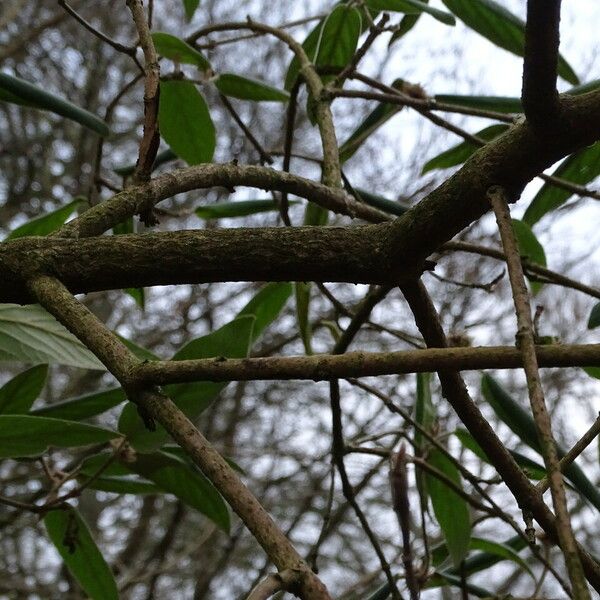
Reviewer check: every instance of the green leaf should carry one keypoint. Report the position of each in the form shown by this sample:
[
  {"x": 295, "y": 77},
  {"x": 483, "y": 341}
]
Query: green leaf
[
  {"x": 231, "y": 341},
  {"x": 407, "y": 23},
  {"x": 412, "y": 7},
  {"x": 243, "y": 208},
  {"x": 30, "y": 334},
  {"x": 245, "y": 88},
  {"x": 376, "y": 118},
  {"x": 18, "y": 91},
  {"x": 461, "y": 152},
  {"x": 266, "y": 306},
  {"x": 533, "y": 469},
  {"x": 521, "y": 423},
  {"x": 392, "y": 207},
  {"x": 331, "y": 43},
  {"x": 190, "y": 7},
  {"x": 302, "y": 293},
  {"x": 529, "y": 248},
  {"x": 82, "y": 407},
  {"x": 161, "y": 158},
  {"x": 424, "y": 410},
  {"x": 121, "y": 485},
  {"x": 185, "y": 122},
  {"x": 26, "y": 435},
  {"x": 425, "y": 416},
  {"x": 503, "y": 104},
  {"x": 501, "y": 27},
  {"x": 18, "y": 394},
  {"x": 444, "y": 578},
  {"x": 594, "y": 319},
  {"x": 71, "y": 536},
  {"x": 501, "y": 550},
  {"x": 177, "y": 477},
  {"x": 46, "y": 223},
  {"x": 178, "y": 51},
  {"x": 451, "y": 511},
  {"x": 579, "y": 168}
]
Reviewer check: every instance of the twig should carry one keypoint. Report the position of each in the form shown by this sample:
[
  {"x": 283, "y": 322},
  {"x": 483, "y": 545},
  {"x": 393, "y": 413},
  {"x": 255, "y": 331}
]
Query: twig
[
  {"x": 455, "y": 391},
  {"x": 587, "y": 438},
  {"x": 272, "y": 584},
  {"x": 540, "y": 64},
  {"x": 265, "y": 157},
  {"x": 129, "y": 50},
  {"x": 401, "y": 504},
  {"x": 526, "y": 343},
  {"x": 150, "y": 138},
  {"x": 155, "y": 406},
  {"x": 290, "y": 123}
]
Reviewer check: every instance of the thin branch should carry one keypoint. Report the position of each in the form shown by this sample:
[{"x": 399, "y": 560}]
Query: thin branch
[
  {"x": 265, "y": 157},
  {"x": 129, "y": 50},
  {"x": 526, "y": 344},
  {"x": 588, "y": 437},
  {"x": 151, "y": 137},
  {"x": 540, "y": 65},
  {"x": 271, "y": 584},
  {"x": 155, "y": 406},
  {"x": 455, "y": 391},
  {"x": 322, "y": 367}
]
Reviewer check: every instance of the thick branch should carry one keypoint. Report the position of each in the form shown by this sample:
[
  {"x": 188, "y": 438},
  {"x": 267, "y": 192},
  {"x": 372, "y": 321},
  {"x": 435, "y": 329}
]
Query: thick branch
[
  {"x": 350, "y": 254},
  {"x": 540, "y": 66}
]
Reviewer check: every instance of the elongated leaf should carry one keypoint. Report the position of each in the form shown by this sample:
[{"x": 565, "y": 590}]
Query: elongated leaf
[
  {"x": 18, "y": 91},
  {"x": 444, "y": 578},
  {"x": 451, "y": 511},
  {"x": 529, "y": 248},
  {"x": 503, "y": 104},
  {"x": 579, "y": 168},
  {"x": 30, "y": 334},
  {"x": 243, "y": 208},
  {"x": 161, "y": 158},
  {"x": 82, "y": 407},
  {"x": 232, "y": 340},
  {"x": 187, "y": 483},
  {"x": 185, "y": 122},
  {"x": 376, "y": 118},
  {"x": 412, "y": 7},
  {"x": 425, "y": 416},
  {"x": 245, "y": 88},
  {"x": 594, "y": 319},
  {"x": 26, "y": 435},
  {"x": 392, "y": 207},
  {"x": 407, "y": 23},
  {"x": 533, "y": 469},
  {"x": 71, "y": 536},
  {"x": 178, "y": 51},
  {"x": 491, "y": 553},
  {"x": 331, "y": 43},
  {"x": 266, "y": 306},
  {"x": 121, "y": 485},
  {"x": 46, "y": 223},
  {"x": 501, "y": 27},
  {"x": 522, "y": 424},
  {"x": 458, "y": 154},
  {"x": 18, "y": 394},
  {"x": 190, "y": 7}
]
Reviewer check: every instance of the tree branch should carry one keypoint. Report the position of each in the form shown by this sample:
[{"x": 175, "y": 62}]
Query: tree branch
[
  {"x": 539, "y": 95},
  {"x": 526, "y": 344},
  {"x": 455, "y": 391}
]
